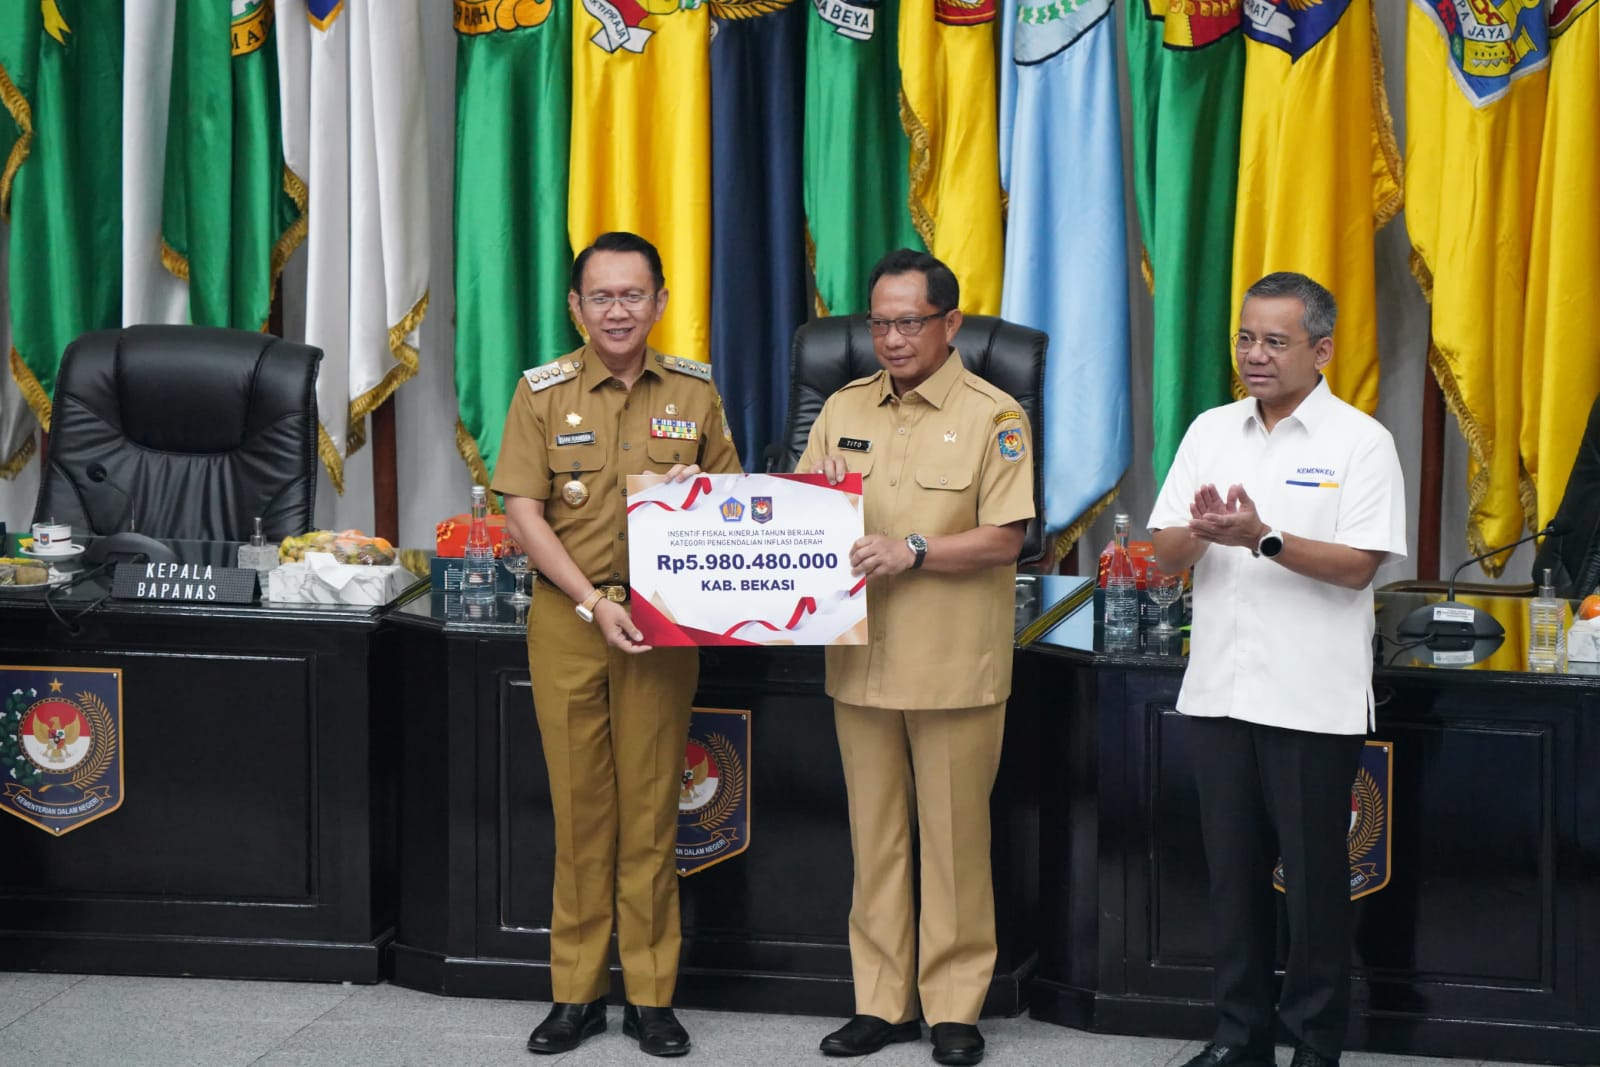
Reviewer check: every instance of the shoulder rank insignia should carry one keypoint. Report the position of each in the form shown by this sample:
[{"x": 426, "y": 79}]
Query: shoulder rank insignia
[
  {"x": 544, "y": 377},
  {"x": 692, "y": 367}
]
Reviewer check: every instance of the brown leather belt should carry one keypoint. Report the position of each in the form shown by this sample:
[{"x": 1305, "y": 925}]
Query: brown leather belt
[{"x": 614, "y": 592}]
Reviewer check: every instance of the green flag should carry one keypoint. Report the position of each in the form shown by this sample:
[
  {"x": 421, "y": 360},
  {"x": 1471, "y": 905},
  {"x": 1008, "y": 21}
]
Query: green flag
[
  {"x": 856, "y": 163},
  {"x": 60, "y": 182},
  {"x": 1186, "y": 76},
  {"x": 513, "y": 258},
  {"x": 232, "y": 212}
]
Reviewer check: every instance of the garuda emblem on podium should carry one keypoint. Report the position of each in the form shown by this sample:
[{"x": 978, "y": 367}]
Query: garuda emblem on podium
[
  {"x": 1371, "y": 822},
  {"x": 714, "y": 793},
  {"x": 60, "y": 745}
]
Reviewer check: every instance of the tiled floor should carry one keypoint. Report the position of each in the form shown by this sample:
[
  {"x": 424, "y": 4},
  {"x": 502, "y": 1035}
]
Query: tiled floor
[{"x": 48, "y": 1020}]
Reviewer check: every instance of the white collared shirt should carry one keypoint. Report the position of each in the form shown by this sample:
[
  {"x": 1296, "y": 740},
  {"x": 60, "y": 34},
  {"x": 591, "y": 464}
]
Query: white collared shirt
[{"x": 1271, "y": 646}]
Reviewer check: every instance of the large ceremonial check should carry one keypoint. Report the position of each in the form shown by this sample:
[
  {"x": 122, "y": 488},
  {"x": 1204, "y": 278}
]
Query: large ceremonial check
[{"x": 745, "y": 559}]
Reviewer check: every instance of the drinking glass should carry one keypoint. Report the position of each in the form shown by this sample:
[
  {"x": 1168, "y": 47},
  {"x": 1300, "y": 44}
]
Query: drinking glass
[
  {"x": 1166, "y": 589},
  {"x": 516, "y": 558}
]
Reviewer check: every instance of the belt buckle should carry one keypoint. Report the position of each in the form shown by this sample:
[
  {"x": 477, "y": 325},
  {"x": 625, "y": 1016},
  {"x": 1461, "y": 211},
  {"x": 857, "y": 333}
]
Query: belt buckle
[{"x": 617, "y": 594}]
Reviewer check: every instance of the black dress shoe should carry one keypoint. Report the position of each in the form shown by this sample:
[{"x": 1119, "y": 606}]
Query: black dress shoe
[
  {"x": 1217, "y": 1055},
  {"x": 957, "y": 1043},
  {"x": 1305, "y": 1057},
  {"x": 658, "y": 1031},
  {"x": 566, "y": 1026},
  {"x": 865, "y": 1034}
]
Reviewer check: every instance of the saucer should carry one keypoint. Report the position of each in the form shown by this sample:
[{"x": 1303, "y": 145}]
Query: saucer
[{"x": 65, "y": 552}]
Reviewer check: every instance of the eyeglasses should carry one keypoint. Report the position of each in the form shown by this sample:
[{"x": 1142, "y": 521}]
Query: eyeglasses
[
  {"x": 1244, "y": 341},
  {"x": 633, "y": 300},
  {"x": 908, "y": 327}
]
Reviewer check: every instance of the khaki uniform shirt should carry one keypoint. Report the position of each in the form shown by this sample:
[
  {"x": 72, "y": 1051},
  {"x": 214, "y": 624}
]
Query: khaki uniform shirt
[
  {"x": 576, "y": 423},
  {"x": 951, "y": 455}
]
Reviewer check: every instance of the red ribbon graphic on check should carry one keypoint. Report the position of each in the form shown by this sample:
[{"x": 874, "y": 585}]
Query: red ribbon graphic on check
[
  {"x": 700, "y": 486},
  {"x": 806, "y": 606}
]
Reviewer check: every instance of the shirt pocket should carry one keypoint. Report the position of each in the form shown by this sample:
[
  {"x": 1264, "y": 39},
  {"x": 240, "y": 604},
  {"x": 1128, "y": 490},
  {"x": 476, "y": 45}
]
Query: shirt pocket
[
  {"x": 585, "y": 464},
  {"x": 666, "y": 452},
  {"x": 858, "y": 463},
  {"x": 947, "y": 501},
  {"x": 1308, "y": 510}
]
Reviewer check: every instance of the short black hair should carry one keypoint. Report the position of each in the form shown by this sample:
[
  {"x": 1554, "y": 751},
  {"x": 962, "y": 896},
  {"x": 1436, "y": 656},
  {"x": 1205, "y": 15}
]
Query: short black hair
[
  {"x": 619, "y": 241},
  {"x": 944, "y": 292},
  {"x": 1319, "y": 311}
]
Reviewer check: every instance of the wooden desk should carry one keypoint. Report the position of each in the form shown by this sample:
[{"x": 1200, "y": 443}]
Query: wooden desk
[
  {"x": 764, "y": 931},
  {"x": 257, "y": 837},
  {"x": 1483, "y": 943}
]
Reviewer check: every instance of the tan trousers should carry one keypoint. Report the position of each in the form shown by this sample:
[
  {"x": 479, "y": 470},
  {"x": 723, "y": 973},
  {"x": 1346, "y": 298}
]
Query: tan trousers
[
  {"x": 613, "y": 727},
  {"x": 944, "y": 763}
]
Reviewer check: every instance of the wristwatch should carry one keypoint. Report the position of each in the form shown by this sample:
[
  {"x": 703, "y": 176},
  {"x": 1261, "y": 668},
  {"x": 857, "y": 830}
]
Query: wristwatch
[
  {"x": 919, "y": 545},
  {"x": 586, "y": 609},
  {"x": 1270, "y": 545}
]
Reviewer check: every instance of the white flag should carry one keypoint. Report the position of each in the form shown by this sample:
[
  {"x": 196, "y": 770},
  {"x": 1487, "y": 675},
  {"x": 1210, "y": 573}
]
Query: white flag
[
  {"x": 366, "y": 150},
  {"x": 150, "y": 292}
]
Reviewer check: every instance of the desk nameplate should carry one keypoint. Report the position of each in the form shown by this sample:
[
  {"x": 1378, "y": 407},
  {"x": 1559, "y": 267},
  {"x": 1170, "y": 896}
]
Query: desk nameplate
[{"x": 191, "y": 583}]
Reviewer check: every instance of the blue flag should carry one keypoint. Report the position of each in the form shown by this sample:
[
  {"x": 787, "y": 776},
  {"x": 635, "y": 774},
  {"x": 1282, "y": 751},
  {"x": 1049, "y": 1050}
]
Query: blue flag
[
  {"x": 758, "y": 252},
  {"x": 1066, "y": 267}
]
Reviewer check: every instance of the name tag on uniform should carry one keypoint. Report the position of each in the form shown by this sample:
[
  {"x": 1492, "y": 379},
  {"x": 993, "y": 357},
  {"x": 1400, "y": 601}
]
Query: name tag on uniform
[
  {"x": 1314, "y": 478},
  {"x": 676, "y": 429},
  {"x": 855, "y": 444},
  {"x": 584, "y": 438}
]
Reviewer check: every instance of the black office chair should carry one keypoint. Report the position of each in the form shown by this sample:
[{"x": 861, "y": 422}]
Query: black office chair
[
  {"x": 1574, "y": 556},
  {"x": 184, "y": 432},
  {"x": 831, "y": 352}
]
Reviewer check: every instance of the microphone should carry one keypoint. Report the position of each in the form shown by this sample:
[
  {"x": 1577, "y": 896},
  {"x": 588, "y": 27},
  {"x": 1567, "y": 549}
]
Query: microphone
[
  {"x": 122, "y": 545},
  {"x": 1457, "y": 622}
]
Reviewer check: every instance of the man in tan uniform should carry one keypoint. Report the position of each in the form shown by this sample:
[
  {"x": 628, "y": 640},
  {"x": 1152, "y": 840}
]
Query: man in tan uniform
[
  {"x": 946, "y": 462},
  {"x": 613, "y": 713}
]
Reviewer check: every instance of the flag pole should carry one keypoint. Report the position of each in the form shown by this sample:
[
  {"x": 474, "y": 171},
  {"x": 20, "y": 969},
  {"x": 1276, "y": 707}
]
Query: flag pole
[
  {"x": 1431, "y": 482},
  {"x": 385, "y": 474}
]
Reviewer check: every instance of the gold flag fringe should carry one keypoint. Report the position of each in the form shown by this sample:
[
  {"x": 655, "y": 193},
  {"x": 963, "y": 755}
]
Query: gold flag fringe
[
  {"x": 19, "y": 459},
  {"x": 1080, "y": 526},
  {"x": 921, "y": 162},
  {"x": 32, "y": 391},
  {"x": 1384, "y": 212},
  {"x": 22, "y": 114}
]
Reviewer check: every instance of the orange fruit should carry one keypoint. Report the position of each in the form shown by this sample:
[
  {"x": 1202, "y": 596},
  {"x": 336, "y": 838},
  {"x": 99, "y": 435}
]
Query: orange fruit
[{"x": 1590, "y": 608}]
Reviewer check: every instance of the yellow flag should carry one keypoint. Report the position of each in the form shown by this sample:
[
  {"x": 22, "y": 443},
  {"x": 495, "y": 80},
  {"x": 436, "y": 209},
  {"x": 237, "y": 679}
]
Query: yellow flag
[
  {"x": 1319, "y": 171},
  {"x": 1472, "y": 163},
  {"x": 1561, "y": 354},
  {"x": 641, "y": 147},
  {"x": 948, "y": 105}
]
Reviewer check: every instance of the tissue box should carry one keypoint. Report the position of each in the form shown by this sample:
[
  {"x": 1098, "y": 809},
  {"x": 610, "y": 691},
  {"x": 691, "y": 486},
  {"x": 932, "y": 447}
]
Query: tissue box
[
  {"x": 321, "y": 579},
  {"x": 450, "y": 536},
  {"x": 1583, "y": 641}
]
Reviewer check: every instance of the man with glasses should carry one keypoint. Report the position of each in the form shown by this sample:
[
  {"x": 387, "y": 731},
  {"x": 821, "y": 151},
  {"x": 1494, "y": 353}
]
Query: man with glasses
[
  {"x": 946, "y": 464},
  {"x": 613, "y": 712},
  {"x": 1278, "y": 688}
]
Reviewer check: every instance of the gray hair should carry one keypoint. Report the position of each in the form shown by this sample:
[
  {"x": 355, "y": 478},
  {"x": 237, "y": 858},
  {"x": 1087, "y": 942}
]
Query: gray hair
[{"x": 1320, "y": 310}]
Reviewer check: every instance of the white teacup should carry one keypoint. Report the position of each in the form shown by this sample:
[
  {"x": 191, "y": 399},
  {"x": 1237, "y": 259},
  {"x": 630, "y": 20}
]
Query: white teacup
[{"x": 51, "y": 536}]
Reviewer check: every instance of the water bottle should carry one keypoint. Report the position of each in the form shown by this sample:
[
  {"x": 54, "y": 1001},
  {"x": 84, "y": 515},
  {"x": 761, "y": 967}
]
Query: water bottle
[
  {"x": 1547, "y": 630},
  {"x": 477, "y": 558},
  {"x": 1122, "y": 593}
]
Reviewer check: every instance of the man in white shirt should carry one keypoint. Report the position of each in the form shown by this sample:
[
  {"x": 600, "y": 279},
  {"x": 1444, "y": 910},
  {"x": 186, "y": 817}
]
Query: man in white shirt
[{"x": 1285, "y": 504}]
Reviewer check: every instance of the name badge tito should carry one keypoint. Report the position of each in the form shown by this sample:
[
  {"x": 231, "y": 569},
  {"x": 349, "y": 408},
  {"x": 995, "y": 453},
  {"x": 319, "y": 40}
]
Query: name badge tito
[{"x": 745, "y": 559}]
